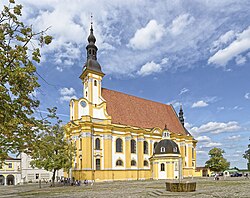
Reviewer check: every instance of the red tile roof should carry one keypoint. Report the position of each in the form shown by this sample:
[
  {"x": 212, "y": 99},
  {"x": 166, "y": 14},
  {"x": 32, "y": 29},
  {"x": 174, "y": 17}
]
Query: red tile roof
[{"x": 133, "y": 111}]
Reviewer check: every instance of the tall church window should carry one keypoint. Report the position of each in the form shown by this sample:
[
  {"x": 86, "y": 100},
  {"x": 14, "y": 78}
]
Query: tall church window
[
  {"x": 95, "y": 83},
  {"x": 118, "y": 145},
  {"x": 145, "y": 147},
  {"x": 133, "y": 163},
  {"x": 80, "y": 146},
  {"x": 133, "y": 146},
  {"x": 185, "y": 150},
  {"x": 81, "y": 162},
  {"x": 98, "y": 164},
  {"x": 119, "y": 163},
  {"x": 192, "y": 153},
  {"x": 145, "y": 163},
  {"x": 97, "y": 144},
  {"x": 162, "y": 167}
]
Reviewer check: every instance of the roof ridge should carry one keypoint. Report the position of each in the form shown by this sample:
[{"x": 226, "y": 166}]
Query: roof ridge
[{"x": 137, "y": 97}]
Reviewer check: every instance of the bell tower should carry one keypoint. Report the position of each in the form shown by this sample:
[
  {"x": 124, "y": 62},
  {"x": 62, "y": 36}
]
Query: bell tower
[{"x": 92, "y": 73}]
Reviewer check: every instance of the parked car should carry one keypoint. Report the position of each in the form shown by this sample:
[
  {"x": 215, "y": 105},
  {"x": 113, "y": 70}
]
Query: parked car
[{"x": 236, "y": 175}]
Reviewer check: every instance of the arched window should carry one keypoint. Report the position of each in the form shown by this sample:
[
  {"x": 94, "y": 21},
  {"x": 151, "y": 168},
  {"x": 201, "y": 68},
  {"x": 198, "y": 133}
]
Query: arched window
[
  {"x": 118, "y": 145},
  {"x": 95, "y": 83},
  {"x": 163, "y": 149},
  {"x": 97, "y": 144},
  {"x": 133, "y": 163},
  {"x": 175, "y": 149},
  {"x": 80, "y": 146},
  {"x": 145, "y": 147},
  {"x": 162, "y": 167},
  {"x": 119, "y": 163},
  {"x": 133, "y": 146},
  {"x": 192, "y": 163},
  {"x": 145, "y": 163}
]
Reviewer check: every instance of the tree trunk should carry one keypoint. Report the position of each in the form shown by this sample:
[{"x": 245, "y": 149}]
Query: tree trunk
[{"x": 53, "y": 177}]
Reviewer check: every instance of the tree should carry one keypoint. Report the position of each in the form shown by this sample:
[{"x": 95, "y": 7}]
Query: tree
[
  {"x": 217, "y": 162},
  {"x": 247, "y": 156},
  {"x": 52, "y": 151},
  {"x": 19, "y": 51}
]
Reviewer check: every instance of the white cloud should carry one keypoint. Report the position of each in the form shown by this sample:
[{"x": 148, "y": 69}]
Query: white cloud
[
  {"x": 164, "y": 61},
  {"x": 234, "y": 137},
  {"x": 240, "y": 60},
  {"x": 247, "y": 96},
  {"x": 67, "y": 98},
  {"x": 201, "y": 152},
  {"x": 67, "y": 94},
  {"x": 184, "y": 90},
  {"x": 220, "y": 108},
  {"x": 216, "y": 127},
  {"x": 237, "y": 108},
  {"x": 238, "y": 46},
  {"x": 175, "y": 104},
  {"x": 211, "y": 144},
  {"x": 200, "y": 103},
  {"x": 149, "y": 68},
  {"x": 224, "y": 39},
  {"x": 146, "y": 37},
  {"x": 180, "y": 23},
  {"x": 203, "y": 138},
  {"x": 67, "y": 91}
]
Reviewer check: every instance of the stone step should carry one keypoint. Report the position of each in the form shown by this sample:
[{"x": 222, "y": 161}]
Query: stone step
[{"x": 155, "y": 193}]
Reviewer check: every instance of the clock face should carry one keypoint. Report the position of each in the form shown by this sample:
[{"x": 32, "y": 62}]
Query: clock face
[{"x": 83, "y": 103}]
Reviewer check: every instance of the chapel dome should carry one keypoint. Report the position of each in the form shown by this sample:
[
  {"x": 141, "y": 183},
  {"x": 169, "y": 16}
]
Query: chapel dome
[{"x": 166, "y": 147}]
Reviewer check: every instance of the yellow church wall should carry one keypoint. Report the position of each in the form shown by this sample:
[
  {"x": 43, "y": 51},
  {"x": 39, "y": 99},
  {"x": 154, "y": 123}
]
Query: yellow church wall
[
  {"x": 111, "y": 175},
  {"x": 85, "y": 129}
]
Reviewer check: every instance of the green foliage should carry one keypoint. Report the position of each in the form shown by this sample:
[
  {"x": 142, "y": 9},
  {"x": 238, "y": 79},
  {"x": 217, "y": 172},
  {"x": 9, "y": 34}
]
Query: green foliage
[
  {"x": 246, "y": 155},
  {"x": 19, "y": 51},
  {"x": 53, "y": 151},
  {"x": 217, "y": 162}
]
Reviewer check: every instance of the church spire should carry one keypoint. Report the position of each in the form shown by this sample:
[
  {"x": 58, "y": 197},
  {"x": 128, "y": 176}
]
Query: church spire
[
  {"x": 91, "y": 48},
  {"x": 91, "y": 62},
  {"x": 181, "y": 118}
]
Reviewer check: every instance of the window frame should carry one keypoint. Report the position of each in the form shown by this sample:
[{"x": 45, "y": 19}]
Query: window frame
[
  {"x": 133, "y": 164},
  {"x": 133, "y": 146},
  {"x": 98, "y": 165},
  {"x": 162, "y": 167},
  {"x": 119, "y": 162},
  {"x": 97, "y": 144},
  {"x": 145, "y": 147},
  {"x": 118, "y": 148}
]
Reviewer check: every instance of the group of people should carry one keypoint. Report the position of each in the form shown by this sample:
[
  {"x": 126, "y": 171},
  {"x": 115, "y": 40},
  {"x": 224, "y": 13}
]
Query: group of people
[{"x": 73, "y": 182}]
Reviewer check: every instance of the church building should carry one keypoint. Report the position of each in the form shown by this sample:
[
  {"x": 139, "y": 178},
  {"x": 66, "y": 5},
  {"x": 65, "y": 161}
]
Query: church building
[{"x": 124, "y": 137}]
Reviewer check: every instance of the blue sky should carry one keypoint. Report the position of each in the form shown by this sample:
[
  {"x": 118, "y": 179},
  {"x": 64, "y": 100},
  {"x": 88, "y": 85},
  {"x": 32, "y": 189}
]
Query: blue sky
[{"x": 194, "y": 53}]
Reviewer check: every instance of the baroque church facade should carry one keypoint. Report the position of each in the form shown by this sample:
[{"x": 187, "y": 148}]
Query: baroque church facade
[{"x": 123, "y": 137}]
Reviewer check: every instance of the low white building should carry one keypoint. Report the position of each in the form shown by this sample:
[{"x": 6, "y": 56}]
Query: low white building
[
  {"x": 10, "y": 171},
  {"x": 30, "y": 174}
]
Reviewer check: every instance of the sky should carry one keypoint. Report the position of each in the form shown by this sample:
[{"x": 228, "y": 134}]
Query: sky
[{"x": 190, "y": 52}]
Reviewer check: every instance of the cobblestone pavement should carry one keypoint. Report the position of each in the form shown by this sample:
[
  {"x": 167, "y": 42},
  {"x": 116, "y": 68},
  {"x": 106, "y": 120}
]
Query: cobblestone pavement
[{"x": 206, "y": 187}]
